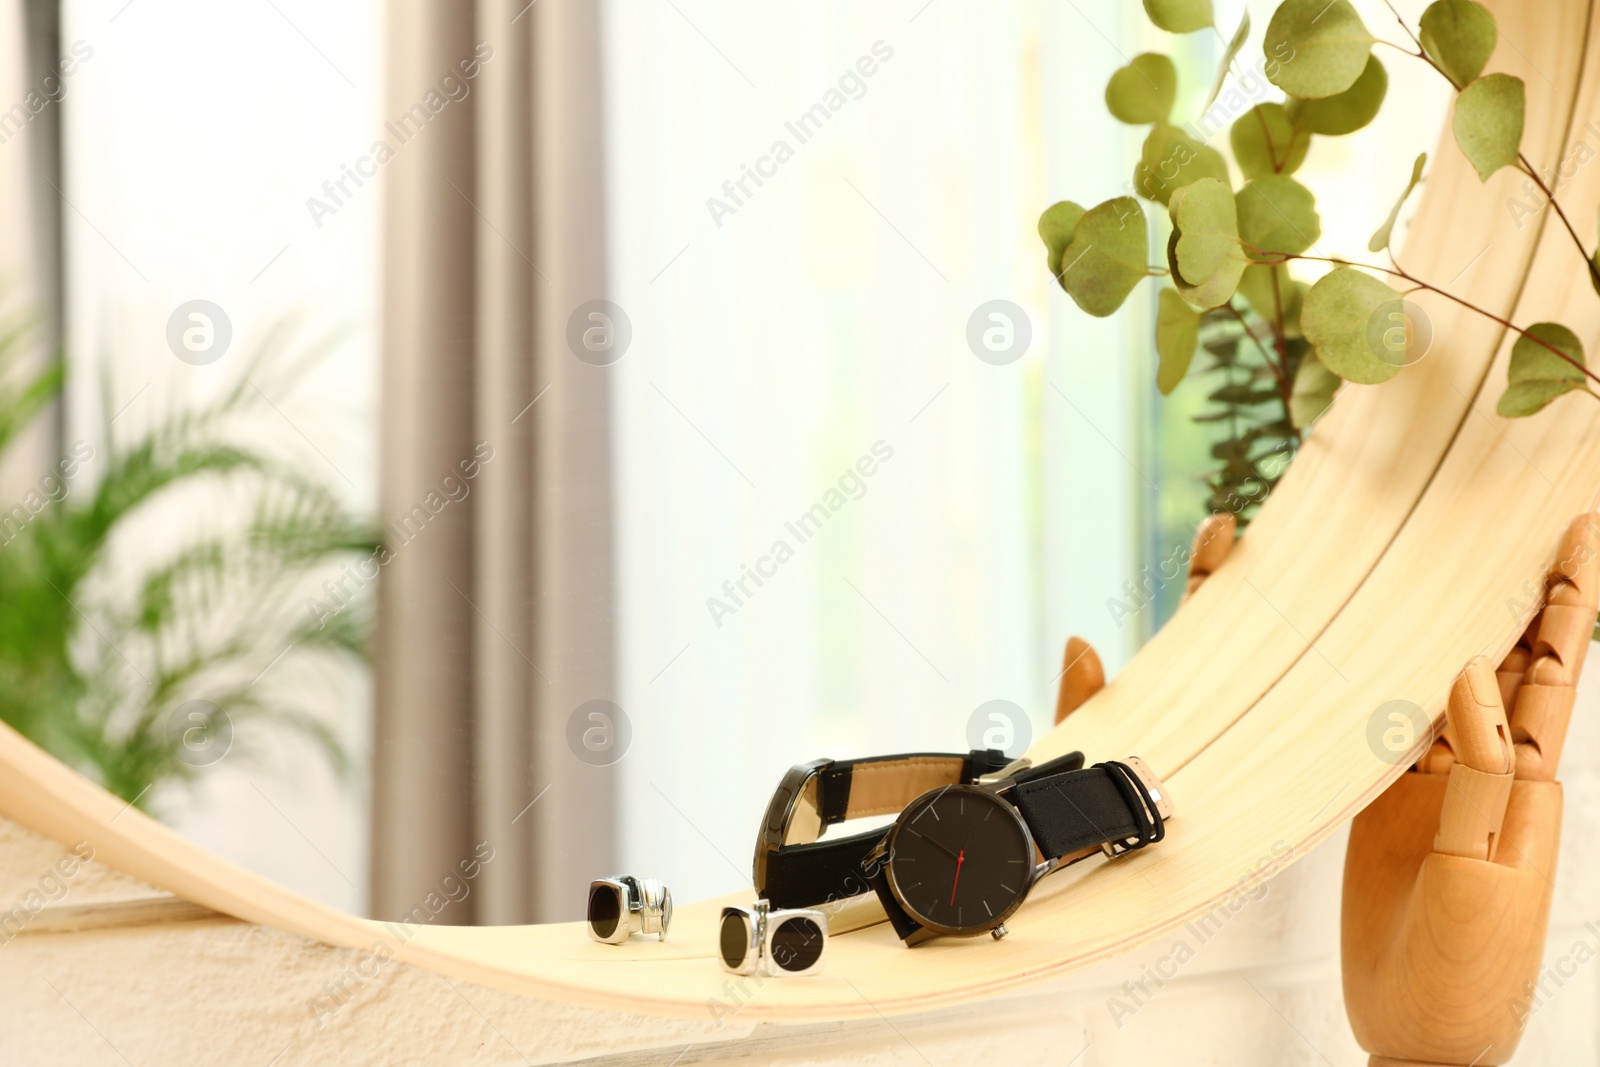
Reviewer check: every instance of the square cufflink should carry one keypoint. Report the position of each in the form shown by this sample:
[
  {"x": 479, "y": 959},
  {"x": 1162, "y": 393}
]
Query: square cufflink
[
  {"x": 758, "y": 939},
  {"x": 622, "y": 906}
]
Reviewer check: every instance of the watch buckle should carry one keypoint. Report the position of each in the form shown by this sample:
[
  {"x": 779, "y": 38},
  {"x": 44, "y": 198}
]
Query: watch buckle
[
  {"x": 1021, "y": 763},
  {"x": 1113, "y": 849},
  {"x": 1158, "y": 790},
  {"x": 877, "y": 853}
]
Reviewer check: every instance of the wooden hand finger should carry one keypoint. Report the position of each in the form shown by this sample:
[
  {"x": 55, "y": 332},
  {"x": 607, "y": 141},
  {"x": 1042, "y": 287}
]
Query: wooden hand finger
[
  {"x": 1213, "y": 540},
  {"x": 1480, "y": 778},
  {"x": 1543, "y": 702},
  {"x": 1515, "y": 666},
  {"x": 1082, "y": 676}
]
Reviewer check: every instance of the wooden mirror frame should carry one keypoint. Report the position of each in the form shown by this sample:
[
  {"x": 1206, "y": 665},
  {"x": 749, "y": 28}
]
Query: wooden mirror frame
[{"x": 1410, "y": 527}]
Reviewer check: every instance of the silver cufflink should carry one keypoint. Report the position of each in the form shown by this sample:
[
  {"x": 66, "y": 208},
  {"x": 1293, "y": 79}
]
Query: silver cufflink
[
  {"x": 622, "y": 906},
  {"x": 772, "y": 942}
]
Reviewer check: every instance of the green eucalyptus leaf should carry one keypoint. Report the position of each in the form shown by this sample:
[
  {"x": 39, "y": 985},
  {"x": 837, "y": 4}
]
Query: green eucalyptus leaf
[
  {"x": 1179, "y": 16},
  {"x": 1459, "y": 36},
  {"x": 1143, "y": 91},
  {"x": 1349, "y": 111},
  {"x": 1594, "y": 268},
  {"x": 1294, "y": 298},
  {"x": 1265, "y": 141},
  {"x": 1204, "y": 251},
  {"x": 1488, "y": 122},
  {"x": 1105, "y": 259},
  {"x": 1177, "y": 332},
  {"x": 1055, "y": 229},
  {"x": 1314, "y": 386},
  {"x": 1522, "y": 399},
  {"x": 1205, "y": 227},
  {"x": 1172, "y": 159},
  {"x": 1335, "y": 320},
  {"x": 1532, "y": 361},
  {"x": 1277, "y": 217},
  {"x": 1537, "y": 375},
  {"x": 1240, "y": 35},
  {"x": 1381, "y": 236},
  {"x": 1326, "y": 45},
  {"x": 1256, "y": 288}
]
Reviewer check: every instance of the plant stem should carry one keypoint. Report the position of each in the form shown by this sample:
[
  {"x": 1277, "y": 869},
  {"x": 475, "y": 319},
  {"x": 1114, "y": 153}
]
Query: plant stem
[
  {"x": 1550, "y": 196},
  {"x": 1403, "y": 26},
  {"x": 1265, "y": 355},
  {"x": 1280, "y": 375},
  {"x": 1398, "y": 272},
  {"x": 1278, "y": 338},
  {"x": 1280, "y": 343}
]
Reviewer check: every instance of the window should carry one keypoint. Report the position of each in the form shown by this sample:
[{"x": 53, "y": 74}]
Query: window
[
  {"x": 842, "y": 530},
  {"x": 195, "y": 134}
]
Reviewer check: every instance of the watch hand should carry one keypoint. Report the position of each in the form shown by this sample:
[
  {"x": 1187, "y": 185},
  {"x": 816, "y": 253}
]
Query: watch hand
[
  {"x": 942, "y": 848},
  {"x": 959, "y": 861}
]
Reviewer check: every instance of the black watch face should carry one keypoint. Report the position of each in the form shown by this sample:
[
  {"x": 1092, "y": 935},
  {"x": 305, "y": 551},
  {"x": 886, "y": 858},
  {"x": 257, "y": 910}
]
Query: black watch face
[{"x": 960, "y": 860}]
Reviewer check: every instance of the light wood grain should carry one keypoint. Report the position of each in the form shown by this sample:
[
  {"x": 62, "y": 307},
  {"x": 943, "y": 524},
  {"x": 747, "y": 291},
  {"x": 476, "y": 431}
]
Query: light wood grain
[
  {"x": 1384, "y": 561},
  {"x": 116, "y": 914}
]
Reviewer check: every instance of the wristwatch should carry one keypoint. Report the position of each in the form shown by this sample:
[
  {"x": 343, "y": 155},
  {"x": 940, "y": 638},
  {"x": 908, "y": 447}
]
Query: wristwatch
[{"x": 964, "y": 851}]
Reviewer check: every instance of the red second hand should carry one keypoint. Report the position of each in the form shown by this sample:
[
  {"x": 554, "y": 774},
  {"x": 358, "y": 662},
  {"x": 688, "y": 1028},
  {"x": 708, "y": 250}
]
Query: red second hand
[{"x": 959, "y": 860}]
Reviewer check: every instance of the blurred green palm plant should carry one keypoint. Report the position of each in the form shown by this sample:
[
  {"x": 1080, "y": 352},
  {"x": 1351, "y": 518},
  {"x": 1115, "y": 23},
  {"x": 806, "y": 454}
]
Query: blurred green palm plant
[{"x": 130, "y": 629}]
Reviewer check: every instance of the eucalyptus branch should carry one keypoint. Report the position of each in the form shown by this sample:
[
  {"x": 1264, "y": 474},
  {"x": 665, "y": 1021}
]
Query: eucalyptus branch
[
  {"x": 1522, "y": 160},
  {"x": 1421, "y": 52},
  {"x": 1332, "y": 43},
  {"x": 1403, "y": 50}
]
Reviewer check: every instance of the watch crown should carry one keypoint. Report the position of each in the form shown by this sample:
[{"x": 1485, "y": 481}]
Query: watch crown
[{"x": 999, "y": 931}]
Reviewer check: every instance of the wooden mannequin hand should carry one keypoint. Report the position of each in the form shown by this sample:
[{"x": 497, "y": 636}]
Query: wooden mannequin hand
[
  {"x": 1449, "y": 873},
  {"x": 1082, "y": 675}
]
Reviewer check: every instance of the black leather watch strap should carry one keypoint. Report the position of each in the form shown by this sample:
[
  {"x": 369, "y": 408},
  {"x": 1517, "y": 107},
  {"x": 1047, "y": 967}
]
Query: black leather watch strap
[
  {"x": 807, "y": 874},
  {"x": 881, "y": 785},
  {"x": 802, "y": 876},
  {"x": 904, "y": 925},
  {"x": 1073, "y": 810}
]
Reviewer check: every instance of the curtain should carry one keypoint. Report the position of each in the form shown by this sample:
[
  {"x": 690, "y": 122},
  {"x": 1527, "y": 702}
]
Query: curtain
[
  {"x": 495, "y": 603},
  {"x": 30, "y": 217}
]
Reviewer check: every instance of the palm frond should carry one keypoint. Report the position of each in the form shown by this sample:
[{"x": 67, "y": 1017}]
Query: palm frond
[{"x": 97, "y": 654}]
